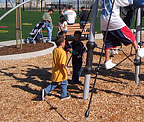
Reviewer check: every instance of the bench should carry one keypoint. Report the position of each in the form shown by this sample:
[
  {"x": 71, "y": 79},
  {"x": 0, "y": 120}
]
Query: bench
[{"x": 76, "y": 27}]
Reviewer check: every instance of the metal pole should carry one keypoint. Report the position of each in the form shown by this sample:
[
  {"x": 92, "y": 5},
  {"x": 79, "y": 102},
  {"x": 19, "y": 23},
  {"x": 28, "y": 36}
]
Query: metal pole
[
  {"x": 59, "y": 6},
  {"x": 6, "y": 4},
  {"x": 13, "y": 9},
  {"x": 23, "y": 6},
  {"x": 138, "y": 38},
  {"x": 41, "y": 5},
  {"x": 90, "y": 45},
  {"x": 78, "y": 6}
]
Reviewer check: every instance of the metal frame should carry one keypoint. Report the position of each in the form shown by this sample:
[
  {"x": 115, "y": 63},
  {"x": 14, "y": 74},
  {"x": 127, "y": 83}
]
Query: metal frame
[{"x": 91, "y": 44}]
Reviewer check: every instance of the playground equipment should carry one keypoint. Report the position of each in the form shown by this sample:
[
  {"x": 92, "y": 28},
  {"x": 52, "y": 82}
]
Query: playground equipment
[
  {"x": 18, "y": 21},
  {"x": 4, "y": 15},
  {"x": 138, "y": 4},
  {"x": 91, "y": 45}
]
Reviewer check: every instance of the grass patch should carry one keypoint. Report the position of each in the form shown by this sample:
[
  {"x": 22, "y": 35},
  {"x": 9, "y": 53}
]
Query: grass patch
[{"x": 32, "y": 17}]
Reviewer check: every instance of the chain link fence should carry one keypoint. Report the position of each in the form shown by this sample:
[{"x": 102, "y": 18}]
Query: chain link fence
[{"x": 45, "y": 4}]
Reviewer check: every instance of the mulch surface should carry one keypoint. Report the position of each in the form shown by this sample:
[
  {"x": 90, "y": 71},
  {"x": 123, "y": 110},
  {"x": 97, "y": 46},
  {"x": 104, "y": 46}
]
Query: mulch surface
[
  {"x": 26, "y": 48},
  {"x": 116, "y": 98}
]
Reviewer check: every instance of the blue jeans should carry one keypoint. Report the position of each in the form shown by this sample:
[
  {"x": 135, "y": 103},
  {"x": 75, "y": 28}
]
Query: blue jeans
[
  {"x": 82, "y": 23},
  {"x": 49, "y": 29},
  {"x": 53, "y": 85},
  {"x": 77, "y": 69}
]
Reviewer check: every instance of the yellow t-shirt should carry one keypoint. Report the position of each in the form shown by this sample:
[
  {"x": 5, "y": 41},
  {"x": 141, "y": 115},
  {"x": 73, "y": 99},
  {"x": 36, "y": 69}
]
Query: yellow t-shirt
[{"x": 58, "y": 71}]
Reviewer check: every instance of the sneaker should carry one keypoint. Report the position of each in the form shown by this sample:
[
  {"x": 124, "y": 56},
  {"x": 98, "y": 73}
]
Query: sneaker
[
  {"x": 47, "y": 40},
  {"x": 140, "y": 52},
  {"x": 109, "y": 64},
  {"x": 43, "y": 94},
  {"x": 66, "y": 97},
  {"x": 116, "y": 51},
  {"x": 112, "y": 52},
  {"x": 44, "y": 41}
]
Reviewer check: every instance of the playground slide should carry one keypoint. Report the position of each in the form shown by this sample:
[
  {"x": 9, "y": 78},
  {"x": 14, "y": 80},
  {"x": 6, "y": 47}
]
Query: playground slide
[{"x": 13, "y": 9}]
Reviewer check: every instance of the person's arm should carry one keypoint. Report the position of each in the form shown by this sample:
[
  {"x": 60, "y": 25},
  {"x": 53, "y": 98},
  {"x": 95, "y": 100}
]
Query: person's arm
[
  {"x": 75, "y": 15},
  {"x": 84, "y": 57},
  {"x": 59, "y": 29},
  {"x": 81, "y": 14},
  {"x": 63, "y": 11},
  {"x": 84, "y": 54},
  {"x": 65, "y": 25},
  {"x": 123, "y": 3},
  {"x": 68, "y": 72},
  {"x": 48, "y": 20}
]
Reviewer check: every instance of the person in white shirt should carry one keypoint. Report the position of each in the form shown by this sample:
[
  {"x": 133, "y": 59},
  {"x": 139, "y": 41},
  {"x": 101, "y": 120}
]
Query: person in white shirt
[
  {"x": 118, "y": 32},
  {"x": 71, "y": 15}
]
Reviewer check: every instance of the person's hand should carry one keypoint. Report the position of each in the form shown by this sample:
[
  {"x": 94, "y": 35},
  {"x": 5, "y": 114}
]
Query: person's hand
[
  {"x": 84, "y": 61},
  {"x": 70, "y": 49},
  {"x": 49, "y": 21},
  {"x": 63, "y": 9},
  {"x": 68, "y": 73}
]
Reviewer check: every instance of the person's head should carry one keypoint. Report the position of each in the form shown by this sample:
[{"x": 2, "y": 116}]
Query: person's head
[
  {"x": 60, "y": 41},
  {"x": 82, "y": 8},
  {"x": 62, "y": 33},
  {"x": 70, "y": 7},
  {"x": 77, "y": 35},
  {"x": 50, "y": 11},
  {"x": 62, "y": 19}
]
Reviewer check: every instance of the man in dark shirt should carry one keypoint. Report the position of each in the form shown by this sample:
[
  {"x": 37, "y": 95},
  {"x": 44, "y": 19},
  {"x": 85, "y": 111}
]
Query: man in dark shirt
[{"x": 83, "y": 17}]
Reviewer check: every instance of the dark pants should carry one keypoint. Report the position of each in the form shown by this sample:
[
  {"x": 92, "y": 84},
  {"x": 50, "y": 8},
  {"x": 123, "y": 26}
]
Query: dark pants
[{"x": 77, "y": 68}]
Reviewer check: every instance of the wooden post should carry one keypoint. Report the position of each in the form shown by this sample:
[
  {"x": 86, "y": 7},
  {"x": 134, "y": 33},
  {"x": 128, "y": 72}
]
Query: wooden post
[{"x": 18, "y": 27}]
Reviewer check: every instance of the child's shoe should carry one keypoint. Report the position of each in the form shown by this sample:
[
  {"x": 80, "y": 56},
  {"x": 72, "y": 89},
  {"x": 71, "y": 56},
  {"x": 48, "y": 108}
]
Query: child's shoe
[
  {"x": 116, "y": 51},
  {"x": 140, "y": 52},
  {"x": 109, "y": 64},
  {"x": 66, "y": 97},
  {"x": 112, "y": 52}
]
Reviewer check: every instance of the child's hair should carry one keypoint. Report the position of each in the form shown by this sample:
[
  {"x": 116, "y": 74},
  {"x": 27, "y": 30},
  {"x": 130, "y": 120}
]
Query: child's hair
[
  {"x": 61, "y": 33},
  {"x": 59, "y": 39},
  {"x": 70, "y": 6},
  {"x": 62, "y": 19},
  {"x": 82, "y": 7},
  {"x": 77, "y": 32}
]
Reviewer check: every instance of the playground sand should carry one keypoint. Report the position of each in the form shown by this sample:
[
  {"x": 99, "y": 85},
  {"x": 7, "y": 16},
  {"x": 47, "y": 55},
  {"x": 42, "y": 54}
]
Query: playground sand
[
  {"x": 116, "y": 98},
  {"x": 26, "y": 48}
]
